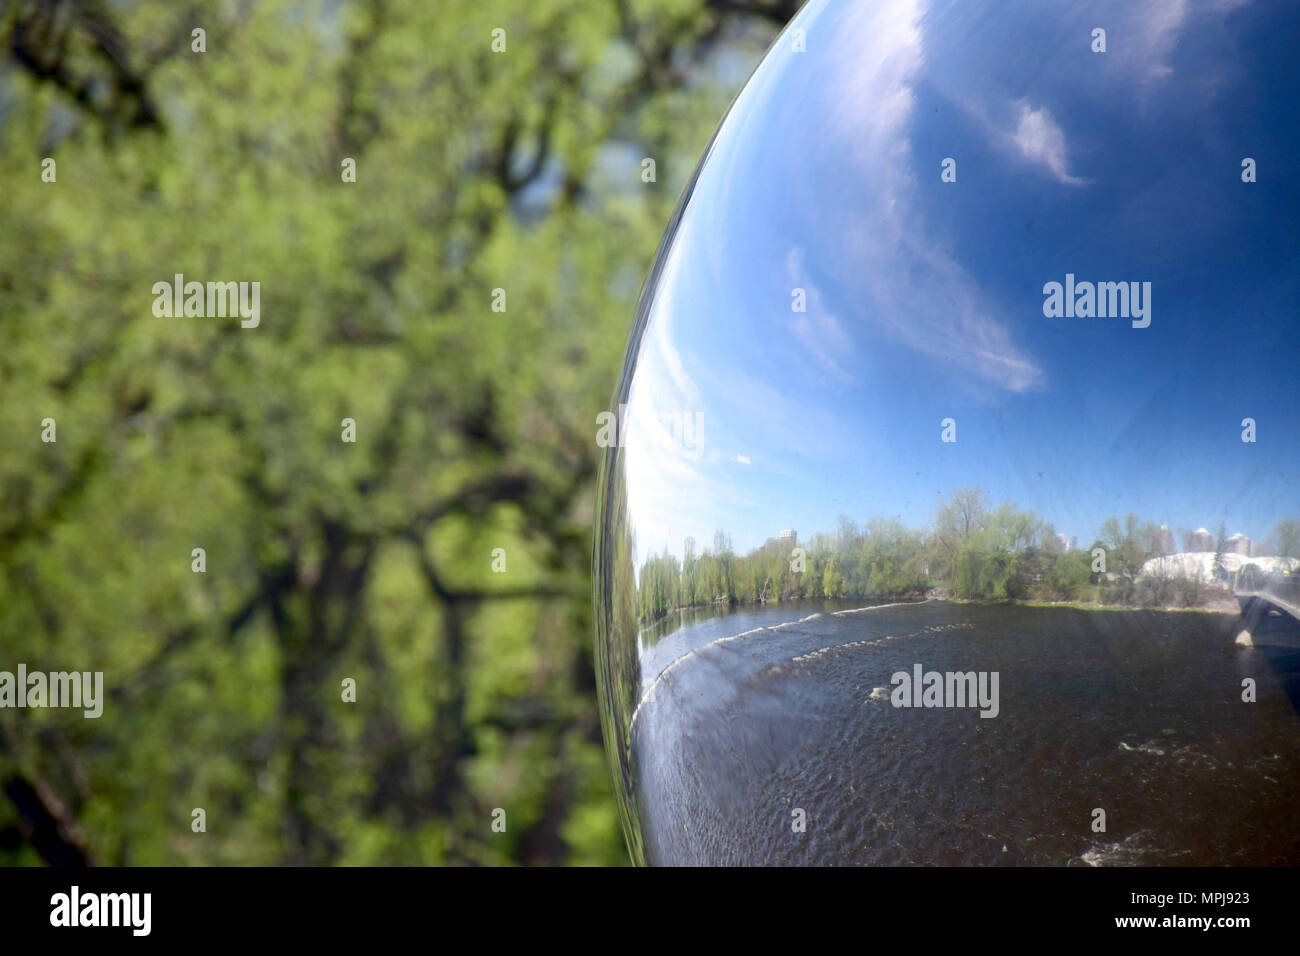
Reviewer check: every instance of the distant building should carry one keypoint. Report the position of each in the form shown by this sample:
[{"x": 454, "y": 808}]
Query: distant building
[
  {"x": 1239, "y": 544},
  {"x": 1062, "y": 542},
  {"x": 1199, "y": 540},
  {"x": 789, "y": 534},
  {"x": 1165, "y": 541}
]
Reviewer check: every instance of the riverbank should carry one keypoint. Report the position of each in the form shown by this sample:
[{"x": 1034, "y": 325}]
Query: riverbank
[
  {"x": 940, "y": 594},
  {"x": 1218, "y": 608}
]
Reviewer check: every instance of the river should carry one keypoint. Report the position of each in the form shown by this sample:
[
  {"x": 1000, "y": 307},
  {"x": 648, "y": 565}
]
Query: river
[{"x": 768, "y": 736}]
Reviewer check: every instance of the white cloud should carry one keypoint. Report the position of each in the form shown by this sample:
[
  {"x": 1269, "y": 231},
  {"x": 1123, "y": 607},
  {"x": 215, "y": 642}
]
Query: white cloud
[
  {"x": 1041, "y": 140},
  {"x": 924, "y": 297},
  {"x": 1160, "y": 22},
  {"x": 1147, "y": 33}
]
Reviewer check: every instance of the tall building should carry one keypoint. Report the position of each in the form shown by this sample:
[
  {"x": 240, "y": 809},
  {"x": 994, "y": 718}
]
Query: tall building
[
  {"x": 789, "y": 534},
  {"x": 1165, "y": 541},
  {"x": 1199, "y": 540},
  {"x": 1239, "y": 544}
]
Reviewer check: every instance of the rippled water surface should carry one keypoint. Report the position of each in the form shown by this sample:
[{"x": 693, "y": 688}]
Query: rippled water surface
[{"x": 747, "y": 717}]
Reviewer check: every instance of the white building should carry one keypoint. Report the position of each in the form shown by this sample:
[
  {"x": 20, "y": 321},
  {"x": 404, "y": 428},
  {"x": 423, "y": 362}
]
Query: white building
[
  {"x": 1239, "y": 544},
  {"x": 1200, "y": 564}
]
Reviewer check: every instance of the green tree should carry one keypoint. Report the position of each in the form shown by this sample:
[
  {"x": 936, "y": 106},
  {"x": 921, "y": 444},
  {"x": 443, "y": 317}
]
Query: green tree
[
  {"x": 833, "y": 578},
  {"x": 1220, "y": 539},
  {"x": 1286, "y": 539},
  {"x": 325, "y": 560}
]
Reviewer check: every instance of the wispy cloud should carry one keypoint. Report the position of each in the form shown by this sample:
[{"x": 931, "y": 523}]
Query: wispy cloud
[
  {"x": 1041, "y": 140},
  {"x": 817, "y": 329},
  {"x": 1158, "y": 26},
  {"x": 671, "y": 448},
  {"x": 1147, "y": 34},
  {"x": 924, "y": 297}
]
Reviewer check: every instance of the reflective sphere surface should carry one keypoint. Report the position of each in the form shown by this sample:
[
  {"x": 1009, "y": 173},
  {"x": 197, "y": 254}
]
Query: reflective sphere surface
[{"x": 969, "y": 303}]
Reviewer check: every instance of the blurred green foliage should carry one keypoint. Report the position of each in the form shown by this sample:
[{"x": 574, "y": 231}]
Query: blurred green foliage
[{"x": 475, "y": 171}]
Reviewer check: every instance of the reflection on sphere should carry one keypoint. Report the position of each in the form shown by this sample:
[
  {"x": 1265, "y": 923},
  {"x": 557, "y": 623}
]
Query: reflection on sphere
[{"x": 973, "y": 320}]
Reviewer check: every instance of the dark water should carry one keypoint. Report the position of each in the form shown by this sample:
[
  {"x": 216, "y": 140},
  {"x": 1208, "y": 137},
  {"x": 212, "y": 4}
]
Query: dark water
[{"x": 1138, "y": 713}]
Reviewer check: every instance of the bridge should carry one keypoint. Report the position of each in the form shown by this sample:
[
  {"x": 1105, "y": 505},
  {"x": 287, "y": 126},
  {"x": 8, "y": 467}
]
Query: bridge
[
  {"x": 1270, "y": 608},
  {"x": 1266, "y": 603}
]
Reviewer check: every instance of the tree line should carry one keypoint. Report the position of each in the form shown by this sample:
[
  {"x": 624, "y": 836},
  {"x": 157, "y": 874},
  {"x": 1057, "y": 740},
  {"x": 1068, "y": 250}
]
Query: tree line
[{"x": 971, "y": 550}]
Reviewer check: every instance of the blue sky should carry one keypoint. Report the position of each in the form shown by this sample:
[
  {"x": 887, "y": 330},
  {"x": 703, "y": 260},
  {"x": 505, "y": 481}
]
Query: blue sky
[{"x": 924, "y": 298}]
